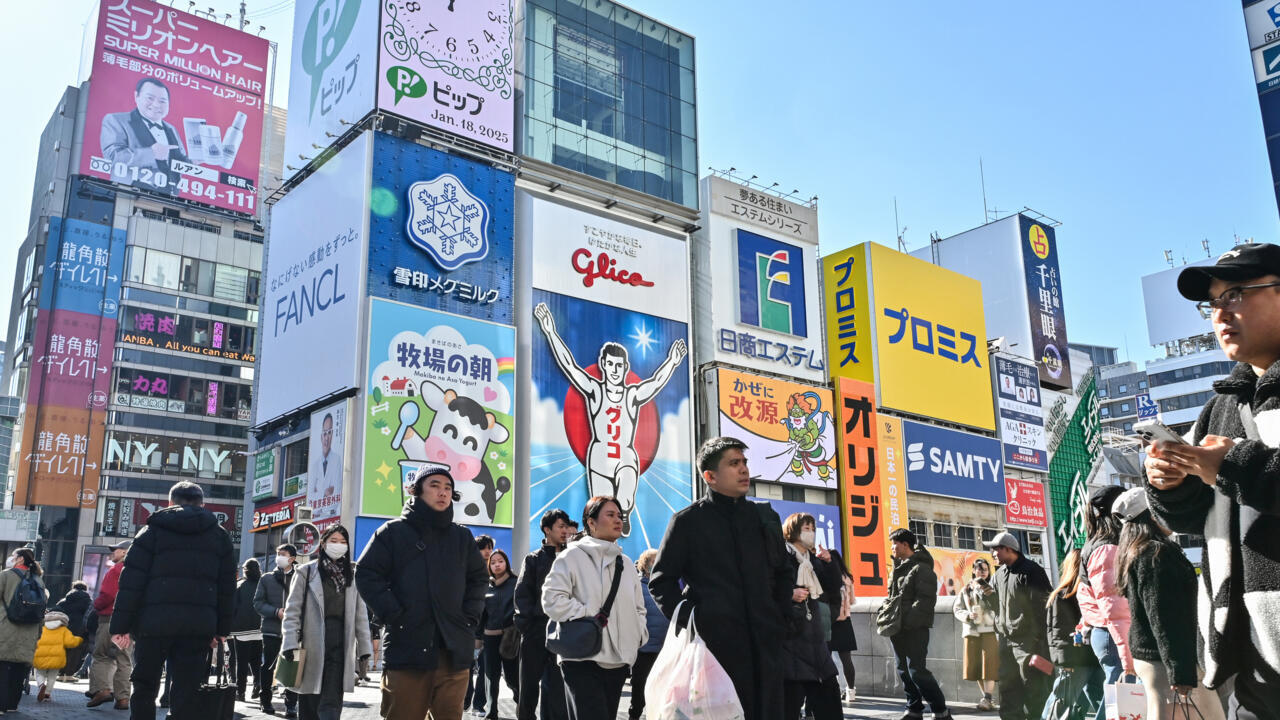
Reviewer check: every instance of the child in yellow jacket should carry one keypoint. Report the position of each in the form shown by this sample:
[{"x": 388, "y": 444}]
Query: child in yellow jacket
[{"x": 51, "y": 651}]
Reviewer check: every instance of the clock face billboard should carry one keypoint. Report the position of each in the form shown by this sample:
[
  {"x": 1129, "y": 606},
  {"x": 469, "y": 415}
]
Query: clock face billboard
[{"x": 448, "y": 64}]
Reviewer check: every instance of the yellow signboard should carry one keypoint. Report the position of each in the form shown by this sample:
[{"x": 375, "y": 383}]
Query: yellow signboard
[
  {"x": 930, "y": 338},
  {"x": 848, "y": 315},
  {"x": 893, "y": 476}
]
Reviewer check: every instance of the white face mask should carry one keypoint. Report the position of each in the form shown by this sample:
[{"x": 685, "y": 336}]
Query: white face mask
[
  {"x": 335, "y": 550},
  {"x": 283, "y": 562},
  {"x": 53, "y": 624},
  {"x": 807, "y": 538},
  {"x": 10, "y": 562}
]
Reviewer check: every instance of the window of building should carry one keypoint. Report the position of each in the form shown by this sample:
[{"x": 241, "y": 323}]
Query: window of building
[
  {"x": 295, "y": 458},
  {"x": 1104, "y": 411},
  {"x": 1124, "y": 389},
  {"x": 201, "y": 277},
  {"x": 1142, "y": 384},
  {"x": 919, "y": 528},
  {"x": 792, "y": 494},
  {"x": 966, "y": 537},
  {"x": 1035, "y": 544},
  {"x": 162, "y": 269},
  {"x": 1124, "y": 407},
  {"x": 988, "y": 534},
  {"x": 942, "y": 535},
  {"x": 1102, "y": 391}
]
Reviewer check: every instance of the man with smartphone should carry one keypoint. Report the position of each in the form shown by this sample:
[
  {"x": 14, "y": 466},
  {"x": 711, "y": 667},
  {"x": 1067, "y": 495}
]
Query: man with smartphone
[
  {"x": 1022, "y": 590},
  {"x": 1226, "y": 485}
]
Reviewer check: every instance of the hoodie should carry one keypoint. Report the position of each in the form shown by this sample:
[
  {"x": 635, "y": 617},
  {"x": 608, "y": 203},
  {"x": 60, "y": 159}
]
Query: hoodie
[
  {"x": 51, "y": 650},
  {"x": 577, "y": 587},
  {"x": 179, "y": 577}
]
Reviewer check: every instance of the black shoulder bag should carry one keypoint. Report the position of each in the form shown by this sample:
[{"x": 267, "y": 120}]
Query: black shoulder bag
[{"x": 582, "y": 638}]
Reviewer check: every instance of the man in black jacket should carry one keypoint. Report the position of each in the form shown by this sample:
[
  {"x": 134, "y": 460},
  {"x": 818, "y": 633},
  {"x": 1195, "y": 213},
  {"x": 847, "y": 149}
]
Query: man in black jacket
[
  {"x": 1022, "y": 592},
  {"x": 423, "y": 576},
  {"x": 76, "y": 605},
  {"x": 268, "y": 600},
  {"x": 537, "y": 664},
  {"x": 175, "y": 599},
  {"x": 728, "y": 554},
  {"x": 913, "y": 592},
  {"x": 1226, "y": 488}
]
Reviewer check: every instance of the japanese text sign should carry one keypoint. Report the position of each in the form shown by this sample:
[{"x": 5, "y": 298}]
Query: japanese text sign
[
  {"x": 1071, "y": 465},
  {"x": 1024, "y": 503},
  {"x": 893, "y": 477},
  {"x": 848, "y": 314},
  {"x": 789, "y": 428},
  {"x": 176, "y": 105},
  {"x": 1045, "y": 304},
  {"x": 861, "y": 489},
  {"x": 1021, "y": 414}
]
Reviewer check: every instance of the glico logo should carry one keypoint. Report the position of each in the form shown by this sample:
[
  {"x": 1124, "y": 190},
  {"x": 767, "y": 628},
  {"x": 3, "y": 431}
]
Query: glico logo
[
  {"x": 604, "y": 268},
  {"x": 771, "y": 291},
  {"x": 448, "y": 222}
]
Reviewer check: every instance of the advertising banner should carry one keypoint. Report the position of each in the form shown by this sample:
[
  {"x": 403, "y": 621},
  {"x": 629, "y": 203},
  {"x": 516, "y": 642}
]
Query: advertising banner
[
  {"x": 610, "y": 369},
  {"x": 154, "y": 68},
  {"x": 893, "y": 476},
  {"x": 311, "y": 305},
  {"x": 327, "y": 455},
  {"x": 826, "y": 520},
  {"x": 273, "y": 515},
  {"x": 441, "y": 231},
  {"x": 1262, "y": 22},
  {"x": 441, "y": 391},
  {"x": 72, "y": 365},
  {"x": 1070, "y": 466},
  {"x": 84, "y": 270},
  {"x": 931, "y": 340},
  {"x": 861, "y": 490},
  {"x": 848, "y": 314},
  {"x": 148, "y": 328},
  {"x": 954, "y": 568},
  {"x": 295, "y": 487},
  {"x": 61, "y": 456},
  {"x": 764, "y": 285},
  {"x": 1266, "y": 67},
  {"x": 450, "y": 67},
  {"x": 953, "y": 464},
  {"x": 264, "y": 475},
  {"x": 332, "y": 71},
  {"x": 1024, "y": 503},
  {"x": 1169, "y": 315},
  {"x": 1044, "y": 303},
  {"x": 1021, "y": 414},
  {"x": 788, "y": 428}
]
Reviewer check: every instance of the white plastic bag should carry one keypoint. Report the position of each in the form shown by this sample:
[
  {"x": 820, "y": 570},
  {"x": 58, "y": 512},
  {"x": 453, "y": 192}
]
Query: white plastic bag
[
  {"x": 688, "y": 682},
  {"x": 1125, "y": 701}
]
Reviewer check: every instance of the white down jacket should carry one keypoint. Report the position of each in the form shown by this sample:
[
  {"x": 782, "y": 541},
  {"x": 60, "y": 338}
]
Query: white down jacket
[{"x": 577, "y": 586}]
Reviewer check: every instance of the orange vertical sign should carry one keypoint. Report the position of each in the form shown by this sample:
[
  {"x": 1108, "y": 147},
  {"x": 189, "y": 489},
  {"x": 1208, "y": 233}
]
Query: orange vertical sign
[{"x": 863, "y": 517}]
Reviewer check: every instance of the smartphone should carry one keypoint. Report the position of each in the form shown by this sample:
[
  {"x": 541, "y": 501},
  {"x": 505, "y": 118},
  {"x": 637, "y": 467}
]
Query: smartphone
[
  {"x": 1041, "y": 664},
  {"x": 1153, "y": 430}
]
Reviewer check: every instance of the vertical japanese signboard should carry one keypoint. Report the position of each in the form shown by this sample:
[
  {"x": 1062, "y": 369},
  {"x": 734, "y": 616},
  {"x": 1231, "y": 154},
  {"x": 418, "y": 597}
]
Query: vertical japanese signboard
[
  {"x": 848, "y": 314},
  {"x": 264, "y": 475},
  {"x": 1024, "y": 503},
  {"x": 176, "y": 105},
  {"x": 1070, "y": 466},
  {"x": 1021, "y": 414},
  {"x": 789, "y": 428},
  {"x": 450, "y": 66},
  {"x": 893, "y": 477},
  {"x": 861, "y": 489},
  {"x": 1044, "y": 303}
]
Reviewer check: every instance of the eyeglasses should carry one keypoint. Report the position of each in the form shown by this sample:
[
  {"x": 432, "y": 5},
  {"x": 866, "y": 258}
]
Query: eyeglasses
[{"x": 1229, "y": 299}]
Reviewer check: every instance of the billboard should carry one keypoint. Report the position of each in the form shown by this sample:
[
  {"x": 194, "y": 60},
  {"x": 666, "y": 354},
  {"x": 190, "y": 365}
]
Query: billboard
[
  {"x": 1070, "y": 467},
  {"x": 441, "y": 233},
  {"x": 311, "y": 303},
  {"x": 1044, "y": 303},
  {"x": 848, "y": 315},
  {"x": 610, "y": 372},
  {"x": 1262, "y": 21},
  {"x": 85, "y": 271},
  {"x": 930, "y": 340},
  {"x": 893, "y": 476},
  {"x": 1021, "y": 414},
  {"x": 788, "y": 427},
  {"x": 762, "y": 259},
  {"x": 826, "y": 520},
  {"x": 155, "y": 68},
  {"x": 1024, "y": 503},
  {"x": 441, "y": 390},
  {"x": 450, "y": 67},
  {"x": 61, "y": 456},
  {"x": 953, "y": 463},
  {"x": 866, "y": 535},
  {"x": 326, "y": 470},
  {"x": 332, "y": 69},
  {"x": 264, "y": 475},
  {"x": 1169, "y": 315},
  {"x": 954, "y": 568}
]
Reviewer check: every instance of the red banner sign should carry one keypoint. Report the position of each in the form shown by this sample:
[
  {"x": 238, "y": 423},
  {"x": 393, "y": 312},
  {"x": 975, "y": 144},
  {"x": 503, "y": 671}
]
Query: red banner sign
[{"x": 1024, "y": 503}]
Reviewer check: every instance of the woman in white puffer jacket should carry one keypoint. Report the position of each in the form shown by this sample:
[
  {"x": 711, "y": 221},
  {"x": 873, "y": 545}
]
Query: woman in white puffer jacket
[{"x": 577, "y": 587}]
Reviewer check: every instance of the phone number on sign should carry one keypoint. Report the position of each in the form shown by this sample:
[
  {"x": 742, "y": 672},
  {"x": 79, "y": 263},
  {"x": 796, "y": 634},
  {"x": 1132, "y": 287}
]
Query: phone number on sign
[{"x": 205, "y": 190}]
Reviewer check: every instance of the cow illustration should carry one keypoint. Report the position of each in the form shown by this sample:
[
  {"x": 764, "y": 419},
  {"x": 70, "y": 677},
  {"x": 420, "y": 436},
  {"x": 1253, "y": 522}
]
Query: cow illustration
[{"x": 459, "y": 437}]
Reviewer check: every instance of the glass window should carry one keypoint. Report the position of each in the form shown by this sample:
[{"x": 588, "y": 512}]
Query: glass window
[
  {"x": 919, "y": 528},
  {"x": 966, "y": 537},
  {"x": 1124, "y": 389},
  {"x": 137, "y": 257},
  {"x": 231, "y": 283},
  {"x": 1124, "y": 407},
  {"x": 942, "y": 535},
  {"x": 988, "y": 534},
  {"x": 162, "y": 269},
  {"x": 1102, "y": 391},
  {"x": 190, "y": 267}
]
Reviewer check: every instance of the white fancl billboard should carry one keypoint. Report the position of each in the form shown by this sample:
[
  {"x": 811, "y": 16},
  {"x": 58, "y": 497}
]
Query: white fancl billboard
[
  {"x": 313, "y": 282},
  {"x": 332, "y": 69},
  {"x": 1169, "y": 315}
]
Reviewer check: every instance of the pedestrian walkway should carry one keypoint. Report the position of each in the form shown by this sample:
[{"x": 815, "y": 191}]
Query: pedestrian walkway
[{"x": 69, "y": 704}]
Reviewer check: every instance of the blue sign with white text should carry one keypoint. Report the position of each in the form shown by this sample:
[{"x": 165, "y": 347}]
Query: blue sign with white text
[
  {"x": 441, "y": 231},
  {"x": 1147, "y": 408},
  {"x": 83, "y": 263},
  {"x": 952, "y": 463}
]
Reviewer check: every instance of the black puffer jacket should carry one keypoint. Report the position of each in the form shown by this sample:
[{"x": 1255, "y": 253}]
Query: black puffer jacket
[
  {"x": 423, "y": 576},
  {"x": 805, "y": 656},
  {"x": 245, "y": 618},
  {"x": 1240, "y": 574},
  {"x": 1161, "y": 587},
  {"x": 914, "y": 587},
  {"x": 530, "y": 620},
  {"x": 268, "y": 599},
  {"x": 75, "y": 605},
  {"x": 499, "y": 605},
  {"x": 1064, "y": 615},
  {"x": 178, "y": 578},
  {"x": 1023, "y": 590}
]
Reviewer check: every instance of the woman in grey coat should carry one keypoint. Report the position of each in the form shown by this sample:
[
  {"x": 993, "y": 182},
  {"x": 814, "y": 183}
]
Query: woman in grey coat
[
  {"x": 335, "y": 631},
  {"x": 17, "y": 642}
]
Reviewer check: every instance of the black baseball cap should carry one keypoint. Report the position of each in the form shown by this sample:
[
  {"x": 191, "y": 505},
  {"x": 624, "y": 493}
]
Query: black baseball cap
[{"x": 1242, "y": 262}]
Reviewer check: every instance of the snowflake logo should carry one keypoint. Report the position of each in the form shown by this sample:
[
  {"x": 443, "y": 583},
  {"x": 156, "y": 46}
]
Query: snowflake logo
[{"x": 448, "y": 222}]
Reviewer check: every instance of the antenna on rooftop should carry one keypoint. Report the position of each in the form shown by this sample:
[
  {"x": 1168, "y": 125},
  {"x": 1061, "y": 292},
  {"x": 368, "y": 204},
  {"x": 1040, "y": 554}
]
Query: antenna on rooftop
[{"x": 898, "y": 230}]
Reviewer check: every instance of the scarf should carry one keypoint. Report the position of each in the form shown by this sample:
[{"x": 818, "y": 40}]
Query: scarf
[
  {"x": 335, "y": 571},
  {"x": 805, "y": 576}
]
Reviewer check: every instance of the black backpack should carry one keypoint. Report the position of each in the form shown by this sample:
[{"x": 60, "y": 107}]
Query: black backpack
[{"x": 27, "y": 605}]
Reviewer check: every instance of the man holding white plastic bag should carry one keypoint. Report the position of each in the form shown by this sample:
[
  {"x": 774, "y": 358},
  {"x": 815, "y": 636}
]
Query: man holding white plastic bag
[{"x": 729, "y": 554}]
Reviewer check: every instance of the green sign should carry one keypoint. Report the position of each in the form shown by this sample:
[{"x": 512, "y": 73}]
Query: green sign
[
  {"x": 295, "y": 485},
  {"x": 1070, "y": 466},
  {"x": 264, "y": 475}
]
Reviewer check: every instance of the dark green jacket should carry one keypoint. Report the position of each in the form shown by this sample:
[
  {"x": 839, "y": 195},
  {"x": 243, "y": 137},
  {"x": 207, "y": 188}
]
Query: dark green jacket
[
  {"x": 914, "y": 589},
  {"x": 1023, "y": 589}
]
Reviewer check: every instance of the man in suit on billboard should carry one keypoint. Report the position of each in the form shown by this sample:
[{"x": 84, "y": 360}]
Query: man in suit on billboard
[{"x": 140, "y": 144}]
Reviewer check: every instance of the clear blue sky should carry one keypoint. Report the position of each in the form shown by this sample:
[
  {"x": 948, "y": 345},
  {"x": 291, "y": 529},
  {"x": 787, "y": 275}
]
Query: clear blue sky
[{"x": 1135, "y": 124}]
